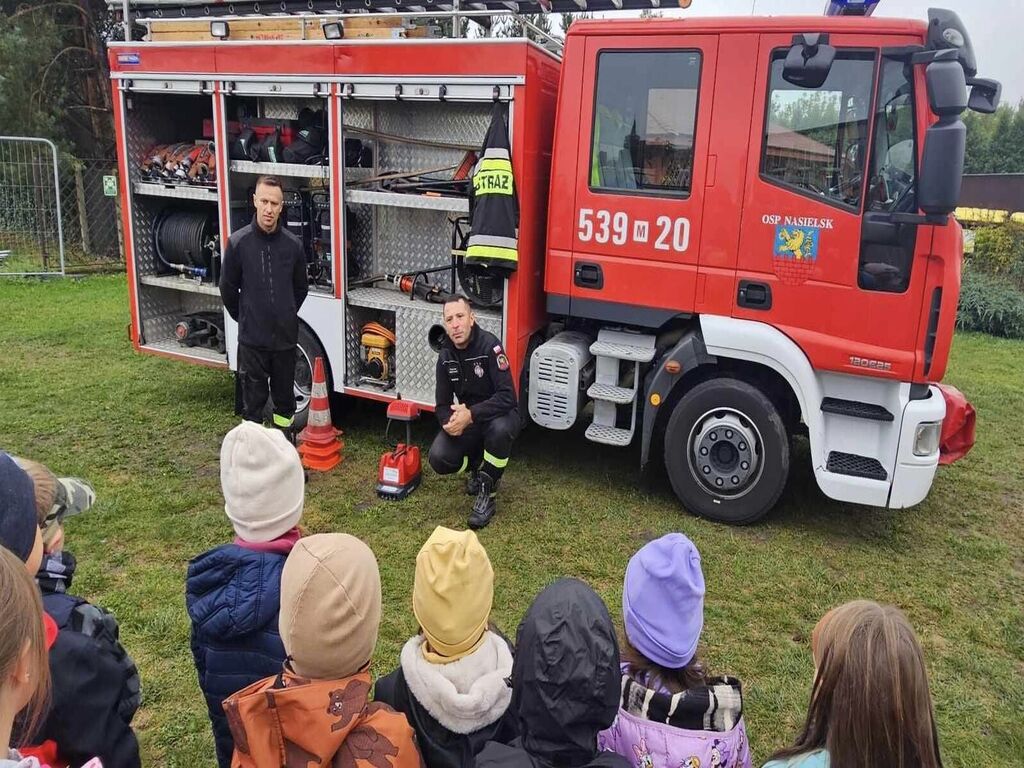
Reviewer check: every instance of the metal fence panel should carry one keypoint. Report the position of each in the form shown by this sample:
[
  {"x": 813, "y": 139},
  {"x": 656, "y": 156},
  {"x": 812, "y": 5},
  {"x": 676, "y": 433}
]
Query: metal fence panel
[
  {"x": 90, "y": 214},
  {"x": 31, "y": 238}
]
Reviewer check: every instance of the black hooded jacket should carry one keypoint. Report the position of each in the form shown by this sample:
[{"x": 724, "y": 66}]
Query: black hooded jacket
[{"x": 565, "y": 683}]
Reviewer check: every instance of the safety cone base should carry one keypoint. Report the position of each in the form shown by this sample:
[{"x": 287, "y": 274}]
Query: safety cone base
[
  {"x": 320, "y": 451},
  {"x": 321, "y": 464}
]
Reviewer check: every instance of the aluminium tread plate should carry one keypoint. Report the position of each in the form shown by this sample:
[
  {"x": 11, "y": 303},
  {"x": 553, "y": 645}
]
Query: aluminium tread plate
[
  {"x": 383, "y": 298},
  {"x": 179, "y": 191},
  {"x": 172, "y": 346},
  {"x": 622, "y": 351},
  {"x": 293, "y": 170},
  {"x": 179, "y": 284},
  {"x": 611, "y": 393},
  {"x": 400, "y": 200},
  {"x": 600, "y": 433}
]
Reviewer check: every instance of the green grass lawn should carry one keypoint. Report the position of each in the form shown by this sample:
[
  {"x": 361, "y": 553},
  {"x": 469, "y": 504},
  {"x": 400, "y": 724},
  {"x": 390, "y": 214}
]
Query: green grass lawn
[{"x": 146, "y": 431}]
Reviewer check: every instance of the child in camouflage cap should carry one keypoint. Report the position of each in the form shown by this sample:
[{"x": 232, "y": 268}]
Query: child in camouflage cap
[{"x": 96, "y": 688}]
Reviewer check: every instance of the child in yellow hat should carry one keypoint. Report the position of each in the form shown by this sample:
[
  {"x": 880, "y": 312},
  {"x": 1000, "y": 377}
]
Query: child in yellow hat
[{"x": 451, "y": 683}]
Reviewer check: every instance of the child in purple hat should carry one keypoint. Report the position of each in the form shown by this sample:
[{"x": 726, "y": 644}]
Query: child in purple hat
[{"x": 671, "y": 712}]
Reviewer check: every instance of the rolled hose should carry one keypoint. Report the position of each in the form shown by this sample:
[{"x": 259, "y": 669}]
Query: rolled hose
[
  {"x": 380, "y": 330},
  {"x": 181, "y": 240}
]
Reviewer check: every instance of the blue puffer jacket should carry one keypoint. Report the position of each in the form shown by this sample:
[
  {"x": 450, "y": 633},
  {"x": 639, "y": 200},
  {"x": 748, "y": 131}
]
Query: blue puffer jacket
[{"x": 233, "y": 597}]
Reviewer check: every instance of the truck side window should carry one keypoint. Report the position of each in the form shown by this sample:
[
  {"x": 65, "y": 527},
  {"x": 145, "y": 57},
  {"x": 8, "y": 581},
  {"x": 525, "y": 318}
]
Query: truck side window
[
  {"x": 816, "y": 138},
  {"x": 645, "y": 113},
  {"x": 891, "y": 183}
]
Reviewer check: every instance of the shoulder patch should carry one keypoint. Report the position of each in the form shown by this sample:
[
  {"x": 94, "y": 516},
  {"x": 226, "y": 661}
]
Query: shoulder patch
[
  {"x": 497, "y": 349},
  {"x": 502, "y": 362}
]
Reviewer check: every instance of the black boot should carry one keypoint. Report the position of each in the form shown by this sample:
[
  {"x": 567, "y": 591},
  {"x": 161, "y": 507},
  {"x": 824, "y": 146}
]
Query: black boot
[
  {"x": 473, "y": 483},
  {"x": 484, "y": 506}
]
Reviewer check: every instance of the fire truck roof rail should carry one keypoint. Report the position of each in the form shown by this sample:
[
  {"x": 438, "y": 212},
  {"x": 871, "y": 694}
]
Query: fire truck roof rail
[{"x": 189, "y": 9}]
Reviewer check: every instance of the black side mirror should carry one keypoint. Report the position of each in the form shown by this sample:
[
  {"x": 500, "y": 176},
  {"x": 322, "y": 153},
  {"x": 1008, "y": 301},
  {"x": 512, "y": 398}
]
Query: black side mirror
[
  {"x": 809, "y": 60},
  {"x": 947, "y": 88},
  {"x": 985, "y": 95},
  {"x": 942, "y": 162}
]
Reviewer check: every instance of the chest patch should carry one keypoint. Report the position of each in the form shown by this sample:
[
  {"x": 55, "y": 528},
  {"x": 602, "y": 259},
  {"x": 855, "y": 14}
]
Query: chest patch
[{"x": 478, "y": 370}]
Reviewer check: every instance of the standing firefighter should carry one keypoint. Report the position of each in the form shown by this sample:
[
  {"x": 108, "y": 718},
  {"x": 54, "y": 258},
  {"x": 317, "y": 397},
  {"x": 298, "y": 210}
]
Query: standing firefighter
[
  {"x": 476, "y": 407},
  {"x": 263, "y": 284},
  {"x": 493, "y": 206}
]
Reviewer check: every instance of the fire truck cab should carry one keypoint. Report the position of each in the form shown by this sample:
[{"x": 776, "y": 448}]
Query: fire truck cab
[{"x": 732, "y": 231}]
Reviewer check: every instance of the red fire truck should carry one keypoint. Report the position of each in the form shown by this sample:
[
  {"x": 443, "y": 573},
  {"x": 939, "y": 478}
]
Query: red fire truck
[{"x": 732, "y": 231}]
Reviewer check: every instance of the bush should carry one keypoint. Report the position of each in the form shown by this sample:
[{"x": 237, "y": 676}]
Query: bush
[
  {"x": 999, "y": 250},
  {"x": 990, "y": 304}
]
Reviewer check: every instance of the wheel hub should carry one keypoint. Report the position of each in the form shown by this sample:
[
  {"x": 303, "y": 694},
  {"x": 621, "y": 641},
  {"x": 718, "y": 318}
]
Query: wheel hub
[{"x": 724, "y": 455}]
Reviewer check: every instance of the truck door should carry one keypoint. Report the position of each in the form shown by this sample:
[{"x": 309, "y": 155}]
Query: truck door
[
  {"x": 819, "y": 256},
  {"x": 642, "y": 158}
]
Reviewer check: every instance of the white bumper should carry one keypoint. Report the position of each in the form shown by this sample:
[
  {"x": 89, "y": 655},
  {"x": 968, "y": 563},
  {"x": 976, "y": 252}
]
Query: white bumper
[{"x": 913, "y": 475}]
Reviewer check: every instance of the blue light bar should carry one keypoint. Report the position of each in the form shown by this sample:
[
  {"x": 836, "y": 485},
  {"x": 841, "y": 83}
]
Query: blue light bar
[{"x": 850, "y": 7}]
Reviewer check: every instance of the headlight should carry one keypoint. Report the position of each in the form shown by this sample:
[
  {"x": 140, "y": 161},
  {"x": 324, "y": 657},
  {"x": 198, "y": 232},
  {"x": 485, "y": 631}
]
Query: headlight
[{"x": 926, "y": 438}]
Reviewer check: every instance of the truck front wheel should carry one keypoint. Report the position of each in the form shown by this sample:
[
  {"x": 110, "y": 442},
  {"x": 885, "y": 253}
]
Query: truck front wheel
[{"x": 726, "y": 451}]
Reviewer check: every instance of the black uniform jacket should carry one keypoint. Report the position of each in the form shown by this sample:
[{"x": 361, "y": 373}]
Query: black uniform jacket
[{"x": 478, "y": 375}]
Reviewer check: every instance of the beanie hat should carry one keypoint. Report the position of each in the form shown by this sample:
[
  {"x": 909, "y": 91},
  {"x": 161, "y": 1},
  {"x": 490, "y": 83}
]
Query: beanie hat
[
  {"x": 453, "y": 592},
  {"x": 18, "y": 521},
  {"x": 262, "y": 480},
  {"x": 330, "y": 606},
  {"x": 663, "y": 601}
]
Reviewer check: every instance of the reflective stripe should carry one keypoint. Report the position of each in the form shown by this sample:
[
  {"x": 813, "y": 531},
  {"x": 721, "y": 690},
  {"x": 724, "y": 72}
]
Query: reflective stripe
[
  {"x": 498, "y": 240},
  {"x": 494, "y": 461},
  {"x": 283, "y": 421},
  {"x": 492, "y": 152},
  {"x": 465, "y": 464},
  {"x": 491, "y": 252},
  {"x": 494, "y": 164}
]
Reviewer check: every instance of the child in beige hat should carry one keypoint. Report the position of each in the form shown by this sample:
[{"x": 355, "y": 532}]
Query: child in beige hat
[{"x": 317, "y": 709}]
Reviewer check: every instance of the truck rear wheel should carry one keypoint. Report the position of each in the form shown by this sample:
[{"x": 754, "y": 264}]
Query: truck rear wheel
[
  {"x": 306, "y": 352},
  {"x": 726, "y": 451}
]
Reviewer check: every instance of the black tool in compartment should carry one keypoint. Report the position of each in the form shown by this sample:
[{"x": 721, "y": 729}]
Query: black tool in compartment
[{"x": 321, "y": 238}]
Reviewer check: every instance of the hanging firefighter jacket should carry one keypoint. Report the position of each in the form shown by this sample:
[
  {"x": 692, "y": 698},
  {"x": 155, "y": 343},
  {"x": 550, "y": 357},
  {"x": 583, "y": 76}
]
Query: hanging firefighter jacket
[{"x": 493, "y": 206}]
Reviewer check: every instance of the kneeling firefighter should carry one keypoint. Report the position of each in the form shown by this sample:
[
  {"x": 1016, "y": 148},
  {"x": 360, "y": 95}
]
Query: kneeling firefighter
[{"x": 476, "y": 406}]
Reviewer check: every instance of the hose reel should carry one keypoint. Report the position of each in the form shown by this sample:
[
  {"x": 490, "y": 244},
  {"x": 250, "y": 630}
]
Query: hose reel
[{"x": 185, "y": 242}]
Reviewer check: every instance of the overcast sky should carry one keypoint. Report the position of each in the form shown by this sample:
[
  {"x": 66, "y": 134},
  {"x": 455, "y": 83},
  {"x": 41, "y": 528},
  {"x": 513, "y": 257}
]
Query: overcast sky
[{"x": 996, "y": 27}]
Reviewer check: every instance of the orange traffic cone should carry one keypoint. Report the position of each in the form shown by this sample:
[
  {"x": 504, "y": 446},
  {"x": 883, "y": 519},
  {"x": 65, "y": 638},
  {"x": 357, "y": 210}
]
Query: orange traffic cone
[{"x": 320, "y": 444}]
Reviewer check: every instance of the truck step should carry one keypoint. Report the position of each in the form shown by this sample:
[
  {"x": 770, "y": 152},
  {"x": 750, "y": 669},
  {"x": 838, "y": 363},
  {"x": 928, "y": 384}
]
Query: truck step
[
  {"x": 599, "y": 433},
  {"x": 855, "y": 466},
  {"x": 855, "y": 409},
  {"x": 611, "y": 393},
  {"x": 638, "y": 348}
]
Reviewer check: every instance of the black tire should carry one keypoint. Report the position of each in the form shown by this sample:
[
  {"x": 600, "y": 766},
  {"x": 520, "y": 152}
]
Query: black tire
[
  {"x": 308, "y": 350},
  {"x": 717, "y": 484}
]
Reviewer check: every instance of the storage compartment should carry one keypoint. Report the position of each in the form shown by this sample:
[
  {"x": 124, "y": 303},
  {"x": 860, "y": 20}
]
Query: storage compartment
[
  {"x": 168, "y": 156},
  {"x": 187, "y": 323},
  {"x": 401, "y": 215},
  {"x": 370, "y": 354},
  {"x": 288, "y": 138}
]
